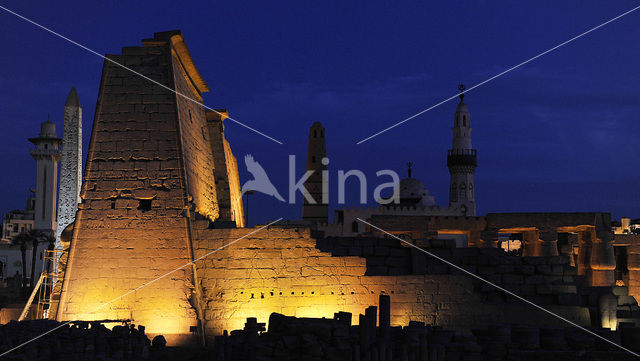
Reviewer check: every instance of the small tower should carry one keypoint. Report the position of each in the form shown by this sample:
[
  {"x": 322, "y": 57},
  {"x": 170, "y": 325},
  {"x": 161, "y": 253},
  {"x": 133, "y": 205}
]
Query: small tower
[
  {"x": 71, "y": 164},
  {"x": 319, "y": 211},
  {"x": 462, "y": 161},
  {"x": 47, "y": 156}
]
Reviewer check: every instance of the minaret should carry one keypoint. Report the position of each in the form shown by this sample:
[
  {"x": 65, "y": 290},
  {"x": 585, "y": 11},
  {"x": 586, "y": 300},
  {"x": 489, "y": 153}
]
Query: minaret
[
  {"x": 71, "y": 164},
  {"x": 47, "y": 156},
  {"x": 316, "y": 162},
  {"x": 462, "y": 161}
]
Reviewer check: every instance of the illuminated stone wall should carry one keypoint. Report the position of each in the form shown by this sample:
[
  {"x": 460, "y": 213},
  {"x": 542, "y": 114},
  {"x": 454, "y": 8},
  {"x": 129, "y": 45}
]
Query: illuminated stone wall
[
  {"x": 281, "y": 270},
  {"x": 226, "y": 171},
  {"x": 194, "y": 141},
  {"x": 235, "y": 189},
  {"x": 148, "y": 165}
]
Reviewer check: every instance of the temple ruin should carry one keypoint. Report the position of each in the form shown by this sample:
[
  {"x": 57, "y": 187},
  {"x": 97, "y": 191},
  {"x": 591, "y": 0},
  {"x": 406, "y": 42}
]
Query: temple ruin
[{"x": 161, "y": 189}]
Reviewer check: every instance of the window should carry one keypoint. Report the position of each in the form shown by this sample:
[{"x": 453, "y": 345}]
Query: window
[
  {"x": 113, "y": 203},
  {"x": 463, "y": 191},
  {"x": 315, "y": 134},
  {"x": 464, "y": 120},
  {"x": 313, "y": 159},
  {"x": 145, "y": 205},
  {"x": 44, "y": 199},
  {"x": 354, "y": 227}
]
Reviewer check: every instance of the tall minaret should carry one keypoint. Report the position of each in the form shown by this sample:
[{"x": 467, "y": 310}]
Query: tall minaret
[
  {"x": 71, "y": 164},
  {"x": 462, "y": 161},
  {"x": 317, "y": 182},
  {"x": 47, "y": 156}
]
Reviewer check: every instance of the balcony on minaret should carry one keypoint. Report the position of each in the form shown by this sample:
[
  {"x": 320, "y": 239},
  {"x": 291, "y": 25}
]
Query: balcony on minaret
[{"x": 462, "y": 157}]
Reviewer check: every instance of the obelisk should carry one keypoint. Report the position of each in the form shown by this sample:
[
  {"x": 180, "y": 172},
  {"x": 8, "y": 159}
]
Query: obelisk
[{"x": 71, "y": 164}]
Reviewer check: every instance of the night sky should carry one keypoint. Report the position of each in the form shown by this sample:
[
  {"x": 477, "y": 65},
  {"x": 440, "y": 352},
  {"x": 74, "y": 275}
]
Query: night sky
[{"x": 559, "y": 134}]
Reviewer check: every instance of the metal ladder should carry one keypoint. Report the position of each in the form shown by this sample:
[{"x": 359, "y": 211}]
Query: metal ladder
[{"x": 44, "y": 287}]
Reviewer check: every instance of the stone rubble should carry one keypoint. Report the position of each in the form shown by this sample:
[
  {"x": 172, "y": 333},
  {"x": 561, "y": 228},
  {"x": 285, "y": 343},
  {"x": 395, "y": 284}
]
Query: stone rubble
[{"x": 310, "y": 339}]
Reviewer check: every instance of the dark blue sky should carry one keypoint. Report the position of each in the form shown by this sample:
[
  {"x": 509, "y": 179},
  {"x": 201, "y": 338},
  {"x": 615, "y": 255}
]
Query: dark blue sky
[{"x": 558, "y": 134}]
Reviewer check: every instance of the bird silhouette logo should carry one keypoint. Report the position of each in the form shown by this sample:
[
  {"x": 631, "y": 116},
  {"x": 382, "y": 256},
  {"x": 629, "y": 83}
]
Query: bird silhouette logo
[{"x": 260, "y": 181}]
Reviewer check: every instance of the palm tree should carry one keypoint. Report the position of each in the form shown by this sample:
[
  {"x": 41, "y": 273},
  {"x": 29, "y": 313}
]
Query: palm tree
[
  {"x": 22, "y": 240},
  {"x": 36, "y": 237}
]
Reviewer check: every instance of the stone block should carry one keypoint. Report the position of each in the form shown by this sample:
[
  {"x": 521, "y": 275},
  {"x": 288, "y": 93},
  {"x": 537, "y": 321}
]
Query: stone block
[
  {"x": 544, "y": 289},
  {"x": 512, "y": 278},
  {"x": 381, "y": 251},
  {"x": 627, "y": 300},
  {"x": 543, "y": 269},
  {"x": 564, "y": 289},
  {"x": 569, "y": 299}
]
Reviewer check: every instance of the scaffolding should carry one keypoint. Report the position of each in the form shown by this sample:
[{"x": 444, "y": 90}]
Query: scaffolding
[{"x": 50, "y": 276}]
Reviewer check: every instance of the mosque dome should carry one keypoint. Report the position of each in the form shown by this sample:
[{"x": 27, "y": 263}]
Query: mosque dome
[
  {"x": 412, "y": 191},
  {"x": 411, "y": 188}
]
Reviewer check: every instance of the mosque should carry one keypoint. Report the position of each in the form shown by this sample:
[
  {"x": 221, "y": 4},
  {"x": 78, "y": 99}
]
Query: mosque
[{"x": 414, "y": 198}]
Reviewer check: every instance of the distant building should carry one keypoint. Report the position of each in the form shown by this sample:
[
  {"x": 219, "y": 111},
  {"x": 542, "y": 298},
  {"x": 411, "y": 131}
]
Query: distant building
[
  {"x": 40, "y": 213},
  {"x": 18, "y": 221},
  {"x": 626, "y": 226}
]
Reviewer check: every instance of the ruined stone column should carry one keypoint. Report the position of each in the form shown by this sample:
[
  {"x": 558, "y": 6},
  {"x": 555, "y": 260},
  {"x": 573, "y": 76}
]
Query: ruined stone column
[
  {"x": 633, "y": 265},
  {"x": 607, "y": 308},
  {"x": 584, "y": 251},
  {"x": 531, "y": 244},
  {"x": 475, "y": 238},
  {"x": 489, "y": 239},
  {"x": 568, "y": 249},
  {"x": 603, "y": 262},
  {"x": 548, "y": 243}
]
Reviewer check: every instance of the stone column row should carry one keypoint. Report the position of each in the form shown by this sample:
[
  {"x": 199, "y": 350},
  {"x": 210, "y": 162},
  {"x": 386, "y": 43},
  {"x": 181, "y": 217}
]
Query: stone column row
[{"x": 595, "y": 258}]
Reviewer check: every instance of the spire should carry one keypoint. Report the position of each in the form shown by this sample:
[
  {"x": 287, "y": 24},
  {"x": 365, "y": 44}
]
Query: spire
[
  {"x": 409, "y": 168},
  {"x": 72, "y": 99},
  {"x": 462, "y": 161},
  {"x": 461, "y": 87},
  {"x": 317, "y": 183}
]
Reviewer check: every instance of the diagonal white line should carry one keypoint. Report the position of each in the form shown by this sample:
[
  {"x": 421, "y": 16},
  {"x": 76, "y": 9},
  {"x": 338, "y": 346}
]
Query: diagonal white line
[
  {"x": 498, "y": 287},
  {"x": 135, "y": 72},
  {"x": 500, "y": 74},
  {"x": 143, "y": 285}
]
